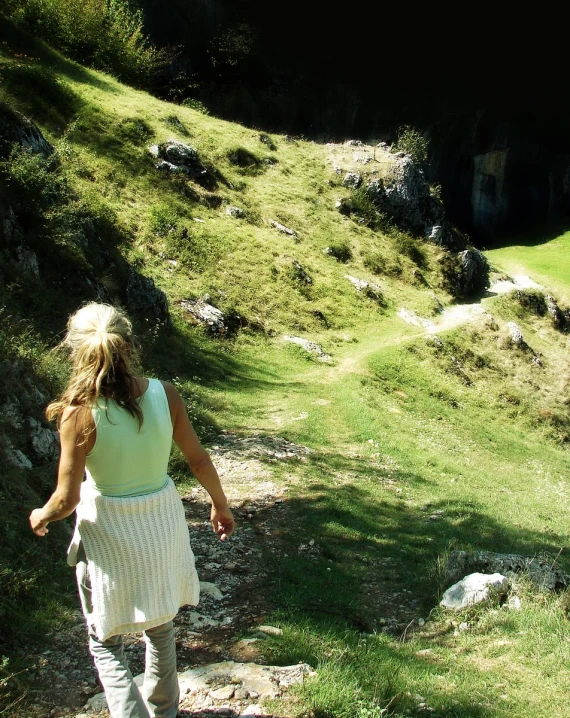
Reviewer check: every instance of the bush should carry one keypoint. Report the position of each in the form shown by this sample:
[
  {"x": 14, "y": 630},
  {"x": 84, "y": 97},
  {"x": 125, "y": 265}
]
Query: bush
[
  {"x": 340, "y": 251},
  {"x": 245, "y": 160},
  {"x": 363, "y": 207},
  {"x": 162, "y": 220},
  {"x": 413, "y": 143},
  {"x": 196, "y": 105},
  {"x": 105, "y": 34},
  {"x": 40, "y": 91},
  {"x": 136, "y": 130},
  {"x": 532, "y": 300},
  {"x": 34, "y": 182},
  {"x": 411, "y": 248}
]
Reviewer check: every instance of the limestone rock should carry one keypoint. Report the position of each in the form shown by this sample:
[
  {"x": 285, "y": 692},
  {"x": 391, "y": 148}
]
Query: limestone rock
[
  {"x": 204, "y": 313},
  {"x": 470, "y": 274},
  {"x": 210, "y": 589},
  {"x": 352, "y": 180},
  {"x": 176, "y": 156},
  {"x": 372, "y": 291},
  {"x": 308, "y": 346},
  {"x": 560, "y": 319},
  {"x": 407, "y": 198},
  {"x": 475, "y": 588},
  {"x": 269, "y": 630},
  {"x": 281, "y": 228},
  {"x": 515, "y": 334},
  {"x": 43, "y": 441},
  {"x": 18, "y": 459},
  {"x": 234, "y": 212},
  {"x": 15, "y": 128},
  {"x": 435, "y": 234},
  {"x": 541, "y": 572}
]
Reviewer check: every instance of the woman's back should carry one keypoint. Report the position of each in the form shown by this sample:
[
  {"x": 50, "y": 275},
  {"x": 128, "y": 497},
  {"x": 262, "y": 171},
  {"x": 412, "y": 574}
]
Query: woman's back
[{"x": 127, "y": 460}]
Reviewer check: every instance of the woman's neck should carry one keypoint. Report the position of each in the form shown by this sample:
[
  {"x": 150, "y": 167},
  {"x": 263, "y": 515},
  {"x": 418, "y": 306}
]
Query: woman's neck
[{"x": 137, "y": 386}]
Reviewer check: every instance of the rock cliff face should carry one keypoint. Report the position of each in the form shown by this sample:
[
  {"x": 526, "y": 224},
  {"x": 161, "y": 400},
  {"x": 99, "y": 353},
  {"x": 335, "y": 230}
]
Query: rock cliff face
[{"x": 497, "y": 179}]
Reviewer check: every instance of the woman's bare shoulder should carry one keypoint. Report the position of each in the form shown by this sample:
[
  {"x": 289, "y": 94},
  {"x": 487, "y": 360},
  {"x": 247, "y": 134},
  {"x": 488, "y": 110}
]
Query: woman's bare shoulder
[
  {"x": 76, "y": 420},
  {"x": 171, "y": 393}
]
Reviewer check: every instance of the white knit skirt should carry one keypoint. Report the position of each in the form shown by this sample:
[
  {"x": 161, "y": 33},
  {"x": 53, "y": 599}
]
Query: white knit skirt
[{"x": 140, "y": 563}]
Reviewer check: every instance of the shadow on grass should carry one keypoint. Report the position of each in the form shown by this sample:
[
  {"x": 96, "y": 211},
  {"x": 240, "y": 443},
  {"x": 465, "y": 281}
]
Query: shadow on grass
[
  {"x": 348, "y": 559},
  {"x": 21, "y": 42},
  {"x": 535, "y": 236}
]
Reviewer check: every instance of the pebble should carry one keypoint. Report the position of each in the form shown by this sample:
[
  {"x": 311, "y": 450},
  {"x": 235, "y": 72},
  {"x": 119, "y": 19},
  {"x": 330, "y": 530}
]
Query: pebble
[{"x": 224, "y": 693}]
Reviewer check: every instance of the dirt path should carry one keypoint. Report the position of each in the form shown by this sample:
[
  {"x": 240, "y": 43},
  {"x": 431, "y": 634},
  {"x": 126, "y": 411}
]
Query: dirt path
[{"x": 234, "y": 574}]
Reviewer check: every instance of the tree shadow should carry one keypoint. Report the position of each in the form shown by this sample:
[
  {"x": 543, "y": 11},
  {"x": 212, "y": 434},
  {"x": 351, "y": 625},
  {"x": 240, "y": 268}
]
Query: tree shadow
[
  {"x": 534, "y": 237},
  {"x": 22, "y": 42},
  {"x": 348, "y": 557}
]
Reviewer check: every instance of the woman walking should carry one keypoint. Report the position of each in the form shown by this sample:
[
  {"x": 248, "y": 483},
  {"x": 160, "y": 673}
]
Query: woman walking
[{"x": 131, "y": 548}]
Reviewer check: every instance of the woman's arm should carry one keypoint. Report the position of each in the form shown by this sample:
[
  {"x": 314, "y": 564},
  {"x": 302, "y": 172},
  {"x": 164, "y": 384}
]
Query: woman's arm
[
  {"x": 200, "y": 463},
  {"x": 74, "y": 449}
]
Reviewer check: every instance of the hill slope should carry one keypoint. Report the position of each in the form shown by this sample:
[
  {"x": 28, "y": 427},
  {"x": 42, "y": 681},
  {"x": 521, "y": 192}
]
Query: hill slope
[{"x": 415, "y": 435}]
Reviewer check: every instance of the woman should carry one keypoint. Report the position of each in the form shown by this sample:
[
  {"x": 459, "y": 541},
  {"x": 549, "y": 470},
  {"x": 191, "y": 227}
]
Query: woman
[{"x": 131, "y": 548}]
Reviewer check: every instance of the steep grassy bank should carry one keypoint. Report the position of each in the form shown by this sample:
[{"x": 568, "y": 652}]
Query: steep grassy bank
[{"x": 420, "y": 442}]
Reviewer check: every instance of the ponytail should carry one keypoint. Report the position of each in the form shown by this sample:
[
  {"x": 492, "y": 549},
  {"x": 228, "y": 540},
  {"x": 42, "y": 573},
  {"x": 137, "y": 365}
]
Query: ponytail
[{"x": 102, "y": 349}]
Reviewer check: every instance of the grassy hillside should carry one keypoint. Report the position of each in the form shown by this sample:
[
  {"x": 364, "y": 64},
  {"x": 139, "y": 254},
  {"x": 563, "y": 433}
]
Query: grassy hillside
[{"x": 421, "y": 441}]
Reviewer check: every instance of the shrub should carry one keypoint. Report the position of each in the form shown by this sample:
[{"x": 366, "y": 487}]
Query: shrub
[
  {"x": 245, "y": 160},
  {"x": 135, "y": 129},
  {"x": 375, "y": 262},
  {"x": 105, "y": 34},
  {"x": 174, "y": 122},
  {"x": 363, "y": 207},
  {"x": 196, "y": 105},
  {"x": 532, "y": 300},
  {"x": 340, "y": 251},
  {"x": 163, "y": 219},
  {"x": 34, "y": 181},
  {"x": 413, "y": 143},
  {"x": 40, "y": 91},
  {"x": 411, "y": 248}
]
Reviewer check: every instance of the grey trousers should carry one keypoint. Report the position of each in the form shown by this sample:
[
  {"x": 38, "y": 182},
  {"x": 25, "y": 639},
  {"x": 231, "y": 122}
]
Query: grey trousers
[{"x": 160, "y": 693}]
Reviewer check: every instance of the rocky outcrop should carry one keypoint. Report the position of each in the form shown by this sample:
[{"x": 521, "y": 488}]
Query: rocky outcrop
[
  {"x": 541, "y": 572},
  {"x": 406, "y": 197},
  {"x": 17, "y": 129},
  {"x": 309, "y": 346},
  {"x": 203, "y": 313},
  {"x": 178, "y": 158},
  {"x": 473, "y": 589},
  {"x": 466, "y": 273}
]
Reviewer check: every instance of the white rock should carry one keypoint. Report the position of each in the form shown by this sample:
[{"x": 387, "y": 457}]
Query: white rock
[
  {"x": 352, "y": 179},
  {"x": 223, "y": 694},
  {"x": 515, "y": 603},
  {"x": 358, "y": 283},
  {"x": 515, "y": 333},
  {"x": 281, "y": 228},
  {"x": 435, "y": 234},
  {"x": 311, "y": 347},
  {"x": 210, "y": 589},
  {"x": 475, "y": 588},
  {"x": 270, "y": 630}
]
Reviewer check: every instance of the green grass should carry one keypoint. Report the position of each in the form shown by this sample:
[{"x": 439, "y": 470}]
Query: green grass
[
  {"x": 544, "y": 259},
  {"x": 418, "y": 446}
]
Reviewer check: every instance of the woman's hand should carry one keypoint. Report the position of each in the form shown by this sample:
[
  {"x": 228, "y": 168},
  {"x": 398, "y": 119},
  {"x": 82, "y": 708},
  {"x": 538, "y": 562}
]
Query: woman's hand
[
  {"x": 222, "y": 522},
  {"x": 38, "y": 523}
]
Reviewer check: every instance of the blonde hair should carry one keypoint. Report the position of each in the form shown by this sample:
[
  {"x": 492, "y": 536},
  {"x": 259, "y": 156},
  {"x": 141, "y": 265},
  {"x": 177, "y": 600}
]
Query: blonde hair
[{"x": 102, "y": 348}]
